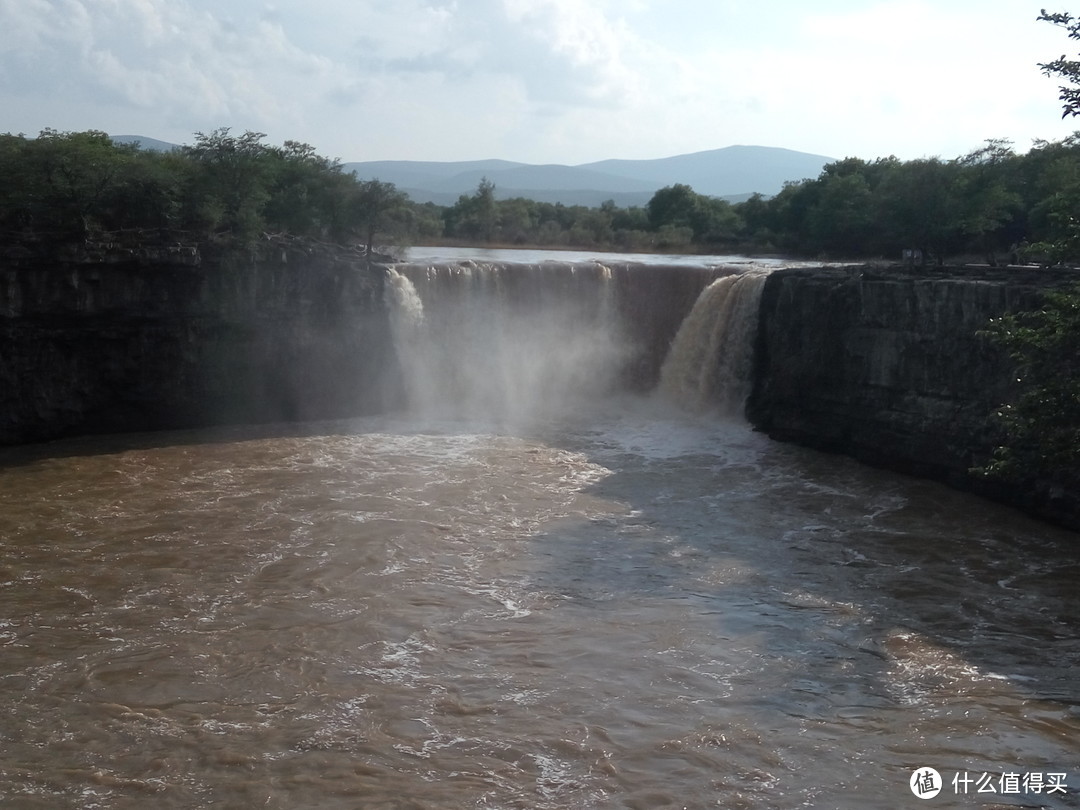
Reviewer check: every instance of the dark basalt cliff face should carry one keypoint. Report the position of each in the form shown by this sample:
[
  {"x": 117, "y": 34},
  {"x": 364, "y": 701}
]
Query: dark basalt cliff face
[
  {"x": 110, "y": 339},
  {"x": 883, "y": 365},
  {"x": 887, "y": 366},
  {"x": 139, "y": 341}
]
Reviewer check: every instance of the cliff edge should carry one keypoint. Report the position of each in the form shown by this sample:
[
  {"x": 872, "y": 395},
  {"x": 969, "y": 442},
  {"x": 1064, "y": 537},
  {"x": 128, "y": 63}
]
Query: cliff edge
[
  {"x": 886, "y": 365},
  {"x": 110, "y": 339}
]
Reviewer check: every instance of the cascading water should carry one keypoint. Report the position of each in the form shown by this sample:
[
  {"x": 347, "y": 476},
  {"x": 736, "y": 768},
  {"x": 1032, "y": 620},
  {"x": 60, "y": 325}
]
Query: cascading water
[
  {"x": 514, "y": 342},
  {"x": 510, "y": 343},
  {"x": 409, "y": 334},
  {"x": 711, "y": 359}
]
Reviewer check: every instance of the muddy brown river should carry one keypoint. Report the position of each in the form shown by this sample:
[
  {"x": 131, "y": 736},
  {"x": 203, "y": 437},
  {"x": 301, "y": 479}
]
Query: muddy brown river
[
  {"x": 618, "y": 605},
  {"x": 626, "y": 611}
]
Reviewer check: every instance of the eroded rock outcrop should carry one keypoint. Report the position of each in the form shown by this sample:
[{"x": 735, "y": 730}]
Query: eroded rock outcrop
[
  {"x": 887, "y": 366},
  {"x": 138, "y": 343}
]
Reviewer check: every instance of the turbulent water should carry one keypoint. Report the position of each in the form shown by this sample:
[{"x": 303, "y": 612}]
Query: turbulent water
[
  {"x": 710, "y": 362},
  {"x": 504, "y": 603},
  {"x": 508, "y": 343}
]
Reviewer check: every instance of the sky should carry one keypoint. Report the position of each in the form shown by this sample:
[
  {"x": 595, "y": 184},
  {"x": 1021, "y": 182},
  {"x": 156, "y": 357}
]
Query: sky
[{"x": 540, "y": 81}]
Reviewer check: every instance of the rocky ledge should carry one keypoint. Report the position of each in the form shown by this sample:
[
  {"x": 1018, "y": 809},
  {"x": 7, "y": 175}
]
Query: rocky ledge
[
  {"x": 887, "y": 365},
  {"x": 106, "y": 337}
]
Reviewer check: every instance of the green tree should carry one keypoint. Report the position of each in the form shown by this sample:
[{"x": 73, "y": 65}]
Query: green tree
[
  {"x": 674, "y": 206},
  {"x": 1063, "y": 67},
  {"x": 229, "y": 182},
  {"x": 73, "y": 178},
  {"x": 1043, "y": 425},
  {"x": 1053, "y": 204},
  {"x": 839, "y": 221},
  {"x": 715, "y": 221},
  {"x": 592, "y": 226},
  {"x": 474, "y": 216},
  {"x": 516, "y": 221},
  {"x": 1062, "y": 211},
  {"x": 789, "y": 216},
  {"x": 304, "y": 195},
  {"x": 988, "y": 200},
  {"x": 678, "y": 210},
  {"x": 427, "y": 221},
  {"x": 920, "y": 202},
  {"x": 757, "y": 221},
  {"x": 481, "y": 217},
  {"x": 147, "y": 192},
  {"x": 64, "y": 187},
  {"x": 379, "y": 208}
]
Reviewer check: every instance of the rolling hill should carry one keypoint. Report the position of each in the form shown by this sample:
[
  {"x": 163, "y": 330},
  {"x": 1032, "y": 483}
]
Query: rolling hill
[
  {"x": 149, "y": 144},
  {"x": 733, "y": 173}
]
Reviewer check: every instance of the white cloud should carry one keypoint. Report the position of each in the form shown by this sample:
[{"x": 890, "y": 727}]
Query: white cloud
[
  {"x": 538, "y": 80},
  {"x": 587, "y": 40},
  {"x": 157, "y": 57}
]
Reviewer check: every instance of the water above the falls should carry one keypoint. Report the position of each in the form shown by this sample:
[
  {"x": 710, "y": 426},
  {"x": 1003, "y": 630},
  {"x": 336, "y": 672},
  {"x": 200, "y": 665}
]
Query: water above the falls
[
  {"x": 496, "y": 600},
  {"x": 439, "y": 254}
]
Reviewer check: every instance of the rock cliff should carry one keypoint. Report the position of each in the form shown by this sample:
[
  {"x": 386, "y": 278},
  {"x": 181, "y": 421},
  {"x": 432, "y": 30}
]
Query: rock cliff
[
  {"x": 887, "y": 366},
  {"x": 126, "y": 341}
]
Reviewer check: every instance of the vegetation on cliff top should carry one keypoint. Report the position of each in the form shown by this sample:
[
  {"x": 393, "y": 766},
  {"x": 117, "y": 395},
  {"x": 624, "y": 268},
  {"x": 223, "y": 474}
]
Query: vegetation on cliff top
[
  {"x": 1042, "y": 425},
  {"x": 74, "y": 186},
  {"x": 991, "y": 203}
]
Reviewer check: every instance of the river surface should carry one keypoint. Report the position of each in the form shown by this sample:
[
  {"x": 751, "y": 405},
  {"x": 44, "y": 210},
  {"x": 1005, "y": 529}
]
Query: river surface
[
  {"x": 526, "y": 591},
  {"x": 625, "y": 609},
  {"x": 530, "y": 256}
]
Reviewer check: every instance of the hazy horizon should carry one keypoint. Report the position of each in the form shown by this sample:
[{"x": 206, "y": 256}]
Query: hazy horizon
[{"x": 540, "y": 81}]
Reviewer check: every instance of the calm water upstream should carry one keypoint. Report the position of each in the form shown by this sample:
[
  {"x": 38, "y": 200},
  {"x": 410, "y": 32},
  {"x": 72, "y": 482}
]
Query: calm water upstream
[{"x": 619, "y": 606}]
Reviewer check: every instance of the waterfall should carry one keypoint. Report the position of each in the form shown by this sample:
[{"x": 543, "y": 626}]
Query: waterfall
[
  {"x": 407, "y": 325},
  {"x": 711, "y": 358},
  {"x": 516, "y": 342},
  {"x": 505, "y": 342},
  {"x": 406, "y": 308}
]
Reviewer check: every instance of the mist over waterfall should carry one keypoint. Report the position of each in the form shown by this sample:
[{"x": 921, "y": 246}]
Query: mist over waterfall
[
  {"x": 711, "y": 359},
  {"x": 517, "y": 342},
  {"x": 506, "y": 342}
]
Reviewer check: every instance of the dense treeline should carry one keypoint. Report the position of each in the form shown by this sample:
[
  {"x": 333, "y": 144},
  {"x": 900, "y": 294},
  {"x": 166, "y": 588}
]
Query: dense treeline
[
  {"x": 992, "y": 203},
  {"x": 987, "y": 203},
  {"x": 62, "y": 187},
  {"x": 675, "y": 219}
]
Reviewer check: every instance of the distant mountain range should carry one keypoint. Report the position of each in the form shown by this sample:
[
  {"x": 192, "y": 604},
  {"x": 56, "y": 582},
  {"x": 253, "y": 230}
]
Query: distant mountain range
[
  {"x": 733, "y": 173},
  {"x": 150, "y": 144}
]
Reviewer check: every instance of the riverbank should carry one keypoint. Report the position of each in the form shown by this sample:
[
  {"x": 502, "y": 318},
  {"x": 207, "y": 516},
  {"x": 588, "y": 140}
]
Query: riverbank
[
  {"x": 888, "y": 365},
  {"x": 880, "y": 363}
]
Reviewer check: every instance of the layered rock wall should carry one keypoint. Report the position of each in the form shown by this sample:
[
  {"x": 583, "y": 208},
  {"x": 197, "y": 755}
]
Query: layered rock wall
[
  {"x": 134, "y": 344},
  {"x": 887, "y": 366}
]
